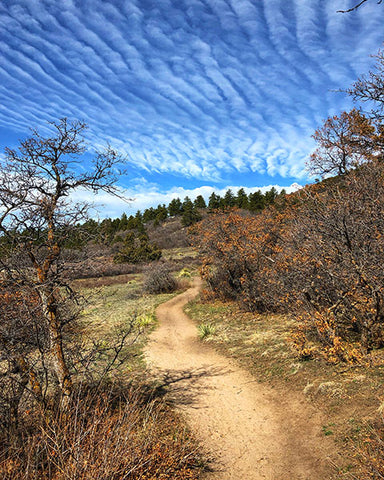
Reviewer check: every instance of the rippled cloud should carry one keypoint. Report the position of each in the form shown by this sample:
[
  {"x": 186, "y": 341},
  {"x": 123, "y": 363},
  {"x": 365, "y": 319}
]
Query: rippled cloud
[{"x": 208, "y": 91}]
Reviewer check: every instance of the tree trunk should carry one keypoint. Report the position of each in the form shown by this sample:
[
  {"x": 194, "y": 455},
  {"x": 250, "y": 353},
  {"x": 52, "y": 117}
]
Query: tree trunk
[{"x": 56, "y": 346}]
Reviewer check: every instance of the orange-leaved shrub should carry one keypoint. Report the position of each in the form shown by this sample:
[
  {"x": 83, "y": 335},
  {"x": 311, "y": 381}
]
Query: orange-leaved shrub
[
  {"x": 336, "y": 252},
  {"x": 238, "y": 253},
  {"x": 319, "y": 257}
]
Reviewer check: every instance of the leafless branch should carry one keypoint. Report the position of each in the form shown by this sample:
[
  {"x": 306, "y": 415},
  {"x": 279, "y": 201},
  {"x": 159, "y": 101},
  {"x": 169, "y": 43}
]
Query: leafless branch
[{"x": 356, "y": 6}]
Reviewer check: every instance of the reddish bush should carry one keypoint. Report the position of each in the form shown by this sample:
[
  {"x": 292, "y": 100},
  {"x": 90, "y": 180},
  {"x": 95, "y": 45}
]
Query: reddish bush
[
  {"x": 239, "y": 252},
  {"x": 319, "y": 257}
]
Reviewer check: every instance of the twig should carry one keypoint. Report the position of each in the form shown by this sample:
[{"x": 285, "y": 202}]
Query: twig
[{"x": 356, "y": 6}]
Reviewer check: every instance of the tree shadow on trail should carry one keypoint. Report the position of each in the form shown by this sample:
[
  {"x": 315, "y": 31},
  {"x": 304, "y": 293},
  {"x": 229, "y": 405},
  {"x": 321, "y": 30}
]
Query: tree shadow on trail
[{"x": 183, "y": 387}]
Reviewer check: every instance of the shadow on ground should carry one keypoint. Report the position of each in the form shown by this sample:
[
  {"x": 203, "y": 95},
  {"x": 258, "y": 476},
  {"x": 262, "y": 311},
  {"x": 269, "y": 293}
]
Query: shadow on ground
[{"x": 183, "y": 387}]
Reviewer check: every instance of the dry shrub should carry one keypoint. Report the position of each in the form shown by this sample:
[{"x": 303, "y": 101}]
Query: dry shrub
[
  {"x": 207, "y": 296},
  {"x": 239, "y": 253},
  {"x": 319, "y": 257},
  {"x": 159, "y": 279},
  {"x": 335, "y": 256},
  {"x": 110, "y": 434},
  {"x": 169, "y": 234},
  {"x": 182, "y": 283},
  {"x": 316, "y": 335},
  {"x": 100, "y": 267}
]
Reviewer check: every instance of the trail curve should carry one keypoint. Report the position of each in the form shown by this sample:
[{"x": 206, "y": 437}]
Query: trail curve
[{"x": 253, "y": 431}]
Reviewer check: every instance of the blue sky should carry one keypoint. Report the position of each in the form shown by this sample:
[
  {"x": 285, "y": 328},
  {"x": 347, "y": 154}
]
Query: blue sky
[{"x": 200, "y": 95}]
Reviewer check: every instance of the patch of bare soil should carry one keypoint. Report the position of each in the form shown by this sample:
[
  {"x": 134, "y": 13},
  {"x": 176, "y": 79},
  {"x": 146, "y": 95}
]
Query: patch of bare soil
[{"x": 251, "y": 430}]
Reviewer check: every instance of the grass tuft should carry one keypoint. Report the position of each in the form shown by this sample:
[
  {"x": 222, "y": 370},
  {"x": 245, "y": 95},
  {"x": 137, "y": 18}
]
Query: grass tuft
[
  {"x": 146, "y": 319},
  {"x": 184, "y": 273},
  {"x": 206, "y": 330}
]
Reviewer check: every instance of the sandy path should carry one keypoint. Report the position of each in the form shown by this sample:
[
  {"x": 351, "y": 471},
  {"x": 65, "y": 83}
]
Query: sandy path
[{"x": 252, "y": 432}]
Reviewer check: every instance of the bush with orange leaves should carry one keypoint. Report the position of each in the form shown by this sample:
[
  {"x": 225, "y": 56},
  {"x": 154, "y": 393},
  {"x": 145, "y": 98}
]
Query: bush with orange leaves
[
  {"x": 238, "y": 256},
  {"x": 319, "y": 258},
  {"x": 315, "y": 335}
]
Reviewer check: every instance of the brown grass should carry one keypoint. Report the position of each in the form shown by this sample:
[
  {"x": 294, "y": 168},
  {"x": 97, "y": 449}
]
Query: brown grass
[
  {"x": 94, "y": 282},
  {"x": 370, "y": 453},
  {"x": 111, "y": 433}
]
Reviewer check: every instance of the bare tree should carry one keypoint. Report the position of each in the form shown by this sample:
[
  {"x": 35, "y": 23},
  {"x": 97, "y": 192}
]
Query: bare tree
[
  {"x": 37, "y": 214},
  {"x": 344, "y": 142},
  {"x": 370, "y": 89}
]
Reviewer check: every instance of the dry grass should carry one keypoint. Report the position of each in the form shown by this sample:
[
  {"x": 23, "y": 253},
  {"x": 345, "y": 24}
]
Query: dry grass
[
  {"x": 370, "y": 452},
  {"x": 113, "y": 305},
  {"x": 180, "y": 253},
  {"x": 117, "y": 318},
  {"x": 348, "y": 395},
  {"x": 110, "y": 305},
  {"x": 110, "y": 433},
  {"x": 246, "y": 336},
  {"x": 95, "y": 282}
]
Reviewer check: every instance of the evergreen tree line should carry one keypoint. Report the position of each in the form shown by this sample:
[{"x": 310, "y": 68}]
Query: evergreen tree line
[
  {"x": 136, "y": 245},
  {"x": 189, "y": 211}
]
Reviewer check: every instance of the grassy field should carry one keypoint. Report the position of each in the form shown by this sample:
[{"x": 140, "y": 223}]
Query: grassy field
[
  {"x": 351, "y": 397},
  {"x": 114, "y": 310},
  {"x": 180, "y": 253}
]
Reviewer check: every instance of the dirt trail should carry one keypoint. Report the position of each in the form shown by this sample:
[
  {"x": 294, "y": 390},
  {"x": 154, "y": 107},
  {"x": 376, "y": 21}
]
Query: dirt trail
[{"x": 253, "y": 431}]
